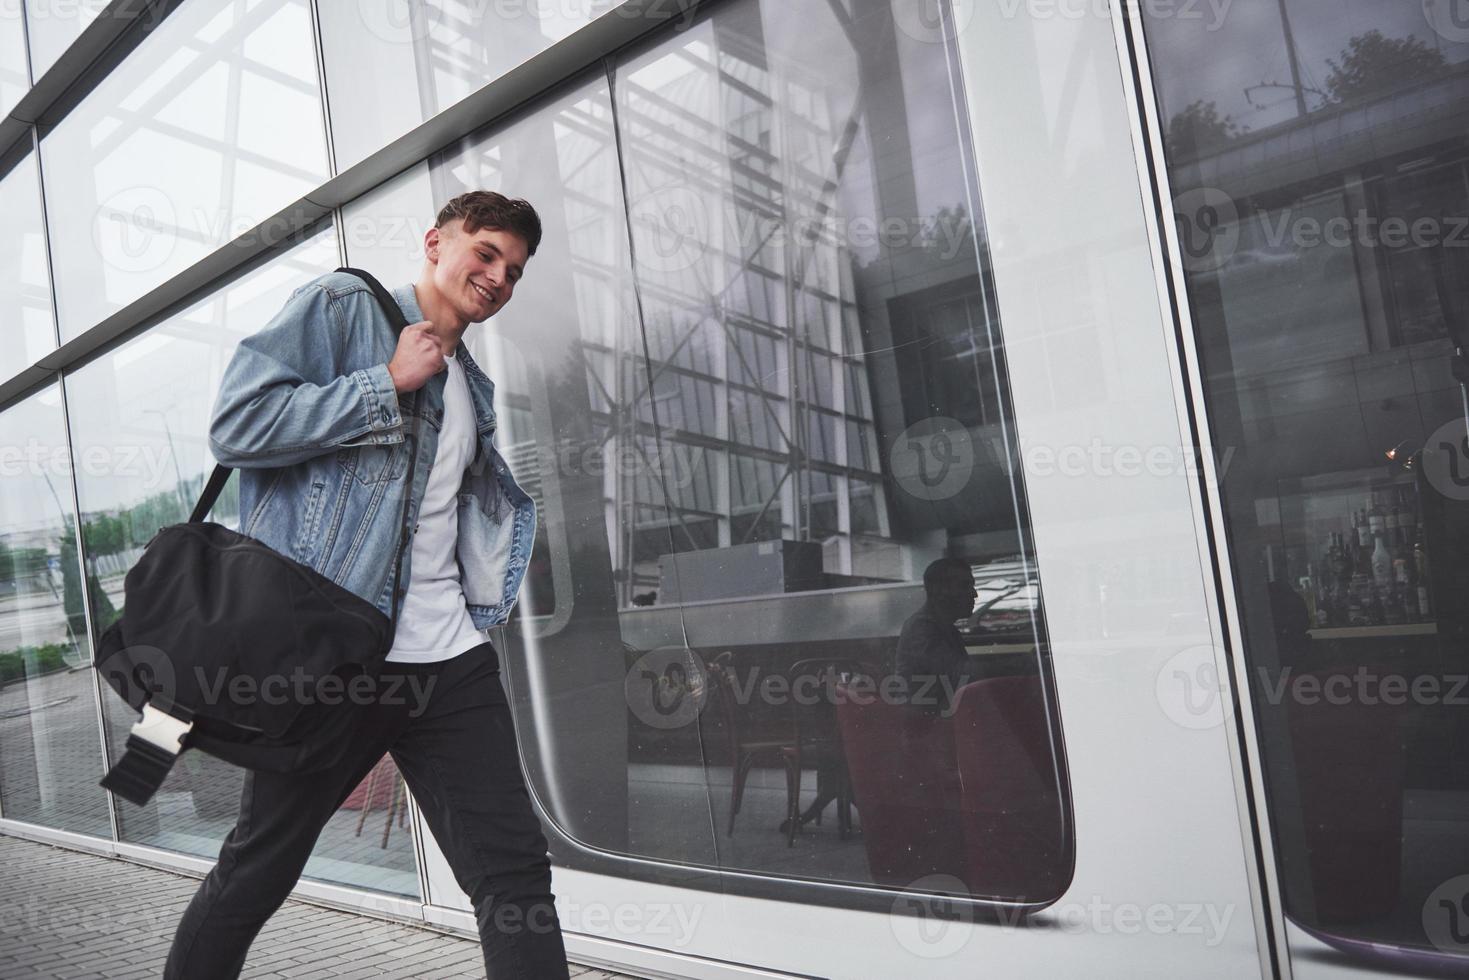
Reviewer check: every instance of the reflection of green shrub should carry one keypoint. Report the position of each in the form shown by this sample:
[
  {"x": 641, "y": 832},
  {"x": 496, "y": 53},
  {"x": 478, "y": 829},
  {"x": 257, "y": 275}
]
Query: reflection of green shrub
[
  {"x": 71, "y": 586},
  {"x": 48, "y": 659}
]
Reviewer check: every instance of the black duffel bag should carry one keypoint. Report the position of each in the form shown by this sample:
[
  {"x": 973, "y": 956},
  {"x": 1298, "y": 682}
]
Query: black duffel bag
[{"x": 221, "y": 636}]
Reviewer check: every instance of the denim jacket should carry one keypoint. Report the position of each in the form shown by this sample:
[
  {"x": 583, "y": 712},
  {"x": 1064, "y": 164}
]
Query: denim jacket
[{"x": 308, "y": 414}]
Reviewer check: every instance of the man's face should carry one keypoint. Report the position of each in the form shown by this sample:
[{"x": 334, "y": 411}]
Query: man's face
[
  {"x": 476, "y": 272},
  {"x": 958, "y": 594}
]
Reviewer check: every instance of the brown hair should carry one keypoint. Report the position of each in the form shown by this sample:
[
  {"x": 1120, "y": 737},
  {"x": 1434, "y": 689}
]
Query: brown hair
[{"x": 488, "y": 209}]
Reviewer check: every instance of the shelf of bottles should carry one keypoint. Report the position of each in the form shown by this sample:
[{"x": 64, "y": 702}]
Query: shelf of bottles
[{"x": 1357, "y": 558}]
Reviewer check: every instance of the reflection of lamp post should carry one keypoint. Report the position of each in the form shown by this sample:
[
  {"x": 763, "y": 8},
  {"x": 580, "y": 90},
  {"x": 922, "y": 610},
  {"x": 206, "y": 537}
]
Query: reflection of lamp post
[
  {"x": 1295, "y": 61},
  {"x": 178, "y": 487},
  {"x": 50, "y": 579}
]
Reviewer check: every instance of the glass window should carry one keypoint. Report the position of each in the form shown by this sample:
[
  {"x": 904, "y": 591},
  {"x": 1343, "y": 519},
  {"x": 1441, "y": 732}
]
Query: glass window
[
  {"x": 52, "y": 26},
  {"x": 208, "y": 128},
  {"x": 140, "y": 416},
  {"x": 50, "y": 749},
  {"x": 777, "y": 547},
  {"x": 15, "y": 80},
  {"x": 392, "y": 65},
  {"x": 1324, "y": 227},
  {"x": 25, "y": 287},
  {"x": 815, "y": 310}
]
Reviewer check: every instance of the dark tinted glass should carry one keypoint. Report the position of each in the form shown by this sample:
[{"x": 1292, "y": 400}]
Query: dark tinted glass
[{"x": 1319, "y": 168}]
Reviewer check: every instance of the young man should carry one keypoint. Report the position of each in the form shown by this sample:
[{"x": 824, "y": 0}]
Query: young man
[{"x": 314, "y": 410}]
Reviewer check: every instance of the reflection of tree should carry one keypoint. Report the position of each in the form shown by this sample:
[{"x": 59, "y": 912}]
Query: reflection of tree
[
  {"x": 1372, "y": 64},
  {"x": 71, "y": 587},
  {"x": 1199, "y": 128}
]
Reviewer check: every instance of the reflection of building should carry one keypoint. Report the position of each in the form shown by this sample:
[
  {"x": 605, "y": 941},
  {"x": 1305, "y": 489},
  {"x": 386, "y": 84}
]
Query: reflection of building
[
  {"x": 771, "y": 316},
  {"x": 1324, "y": 320},
  {"x": 1330, "y": 276}
]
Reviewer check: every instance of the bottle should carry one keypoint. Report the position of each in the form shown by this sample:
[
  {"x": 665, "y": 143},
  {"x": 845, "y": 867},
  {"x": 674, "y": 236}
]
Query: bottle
[
  {"x": 1341, "y": 562},
  {"x": 1420, "y": 572},
  {"x": 1376, "y": 517},
  {"x": 1395, "y": 527},
  {"x": 1324, "y": 612},
  {"x": 1364, "y": 555},
  {"x": 1306, "y": 589},
  {"x": 1382, "y": 563},
  {"x": 1356, "y": 611}
]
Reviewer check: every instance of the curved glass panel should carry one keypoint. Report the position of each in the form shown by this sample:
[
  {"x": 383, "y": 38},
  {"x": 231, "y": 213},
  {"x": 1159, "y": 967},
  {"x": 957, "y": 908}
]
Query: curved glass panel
[
  {"x": 1324, "y": 223},
  {"x": 850, "y": 561},
  {"x": 755, "y": 380}
]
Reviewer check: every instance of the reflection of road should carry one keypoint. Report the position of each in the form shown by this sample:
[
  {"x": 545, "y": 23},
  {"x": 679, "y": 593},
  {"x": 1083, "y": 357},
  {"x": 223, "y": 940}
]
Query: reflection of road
[{"x": 39, "y": 618}]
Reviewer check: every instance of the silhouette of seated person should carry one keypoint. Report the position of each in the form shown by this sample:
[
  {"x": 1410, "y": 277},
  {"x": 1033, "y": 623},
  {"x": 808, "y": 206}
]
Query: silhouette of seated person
[{"x": 931, "y": 656}]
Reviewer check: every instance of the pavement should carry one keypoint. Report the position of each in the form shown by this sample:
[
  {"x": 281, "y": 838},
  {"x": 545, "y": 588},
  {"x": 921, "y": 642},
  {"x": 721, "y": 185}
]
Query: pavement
[{"x": 68, "y": 915}]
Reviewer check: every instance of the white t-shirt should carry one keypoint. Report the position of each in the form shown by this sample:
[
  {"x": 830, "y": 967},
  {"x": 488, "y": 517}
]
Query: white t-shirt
[{"x": 434, "y": 622}]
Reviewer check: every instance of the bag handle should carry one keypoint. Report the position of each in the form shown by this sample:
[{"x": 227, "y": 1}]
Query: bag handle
[{"x": 221, "y": 473}]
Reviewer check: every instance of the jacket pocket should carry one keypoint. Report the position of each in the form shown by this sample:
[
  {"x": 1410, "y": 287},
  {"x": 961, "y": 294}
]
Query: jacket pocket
[
  {"x": 309, "y": 532},
  {"x": 369, "y": 465}
]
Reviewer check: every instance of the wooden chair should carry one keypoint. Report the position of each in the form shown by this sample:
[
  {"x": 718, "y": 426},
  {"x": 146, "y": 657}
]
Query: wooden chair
[{"x": 744, "y": 749}]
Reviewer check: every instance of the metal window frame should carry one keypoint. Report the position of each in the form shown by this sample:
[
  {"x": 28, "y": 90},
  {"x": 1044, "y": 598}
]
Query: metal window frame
[
  {"x": 1246, "y": 761},
  {"x": 72, "y": 77}
]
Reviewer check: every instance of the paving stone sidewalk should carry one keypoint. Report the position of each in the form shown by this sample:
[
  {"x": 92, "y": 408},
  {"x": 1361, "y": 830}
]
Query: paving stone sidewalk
[{"x": 65, "y": 915}]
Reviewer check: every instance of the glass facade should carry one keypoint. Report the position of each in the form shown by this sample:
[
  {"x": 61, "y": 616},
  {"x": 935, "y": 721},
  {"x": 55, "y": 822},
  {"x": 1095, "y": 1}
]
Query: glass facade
[
  {"x": 783, "y": 620},
  {"x": 207, "y": 129},
  {"x": 25, "y": 284},
  {"x": 140, "y": 416},
  {"x": 15, "y": 80},
  {"x": 50, "y": 755},
  {"x": 52, "y": 27},
  {"x": 1323, "y": 220},
  {"x": 755, "y": 382},
  {"x": 390, "y": 66}
]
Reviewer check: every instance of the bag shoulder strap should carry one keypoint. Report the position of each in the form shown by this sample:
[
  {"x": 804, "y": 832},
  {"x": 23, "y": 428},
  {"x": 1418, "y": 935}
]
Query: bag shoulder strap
[{"x": 221, "y": 474}]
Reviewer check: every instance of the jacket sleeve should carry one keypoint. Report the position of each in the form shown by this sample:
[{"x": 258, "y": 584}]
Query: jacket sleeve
[{"x": 281, "y": 400}]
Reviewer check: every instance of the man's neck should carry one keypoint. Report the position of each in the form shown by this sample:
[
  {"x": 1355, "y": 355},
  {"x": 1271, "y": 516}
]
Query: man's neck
[{"x": 447, "y": 328}]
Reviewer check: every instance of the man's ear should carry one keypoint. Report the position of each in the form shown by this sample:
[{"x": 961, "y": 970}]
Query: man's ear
[{"x": 431, "y": 244}]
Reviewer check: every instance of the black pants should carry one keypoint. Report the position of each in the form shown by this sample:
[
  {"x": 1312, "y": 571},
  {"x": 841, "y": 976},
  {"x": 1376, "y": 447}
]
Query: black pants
[{"x": 457, "y": 751}]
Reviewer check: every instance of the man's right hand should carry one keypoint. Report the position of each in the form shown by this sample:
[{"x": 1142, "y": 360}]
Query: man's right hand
[{"x": 417, "y": 358}]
